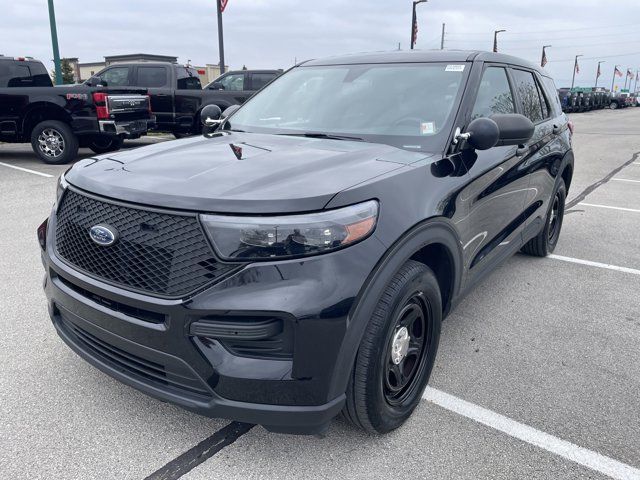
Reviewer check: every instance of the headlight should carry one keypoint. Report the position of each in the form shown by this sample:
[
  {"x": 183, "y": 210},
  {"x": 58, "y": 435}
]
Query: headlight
[
  {"x": 60, "y": 188},
  {"x": 286, "y": 236}
]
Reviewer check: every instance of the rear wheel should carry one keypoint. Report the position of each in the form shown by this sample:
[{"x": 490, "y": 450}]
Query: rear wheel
[
  {"x": 105, "y": 143},
  {"x": 397, "y": 351},
  {"x": 545, "y": 242},
  {"x": 613, "y": 105},
  {"x": 54, "y": 142}
]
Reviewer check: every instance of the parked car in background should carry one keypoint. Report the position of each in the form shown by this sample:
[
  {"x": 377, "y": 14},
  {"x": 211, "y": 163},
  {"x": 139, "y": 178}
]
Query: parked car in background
[
  {"x": 619, "y": 101},
  {"x": 177, "y": 96},
  {"x": 58, "y": 120},
  {"x": 241, "y": 84},
  {"x": 298, "y": 261}
]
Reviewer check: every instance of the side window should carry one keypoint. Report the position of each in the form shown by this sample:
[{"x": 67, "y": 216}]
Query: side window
[
  {"x": 116, "y": 76},
  {"x": 233, "y": 82},
  {"x": 529, "y": 96},
  {"x": 552, "y": 96},
  {"x": 152, "y": 77},
  {"x": 20, "y": 77},
  {"x": 494, "y": 94},
  {"x": 259, "y": 80},
  {"x": 189, "y": 83}
]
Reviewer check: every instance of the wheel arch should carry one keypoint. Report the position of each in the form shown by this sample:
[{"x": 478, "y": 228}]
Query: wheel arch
[
  {"x": 40, "y": 111},
  {"x": 433, "y": 242}
]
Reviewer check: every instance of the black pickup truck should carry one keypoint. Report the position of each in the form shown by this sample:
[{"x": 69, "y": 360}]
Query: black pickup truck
[
  {"x": 177, "y": 96},
  {"x": 59, "y": 120}
]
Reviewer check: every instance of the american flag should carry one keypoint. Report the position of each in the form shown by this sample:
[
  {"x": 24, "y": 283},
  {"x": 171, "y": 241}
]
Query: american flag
[
  {"x": 577, "y": 67},
  {"x": 629, "y": 73},
  {"x": 544, "y": 58},
  {"x": 415, "y": 30},
  {"x": 223, "y": 5},
  {"x": 598, "y": 73},
  {"x": 617, "y": 72}
]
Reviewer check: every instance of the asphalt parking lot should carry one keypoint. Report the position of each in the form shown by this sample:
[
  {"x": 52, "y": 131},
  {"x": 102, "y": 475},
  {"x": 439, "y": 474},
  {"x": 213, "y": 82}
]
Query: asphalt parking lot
[{"x": 538, "y": 373}]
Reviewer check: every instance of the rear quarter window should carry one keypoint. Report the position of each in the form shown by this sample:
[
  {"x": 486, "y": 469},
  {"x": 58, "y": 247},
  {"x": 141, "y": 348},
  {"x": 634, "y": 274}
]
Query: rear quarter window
[
  {"x": 552, "y": 94},
  {"x": 23, "y": 74}
]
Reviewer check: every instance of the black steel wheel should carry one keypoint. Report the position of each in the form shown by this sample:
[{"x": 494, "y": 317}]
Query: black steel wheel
[
  {"x": 397, "y": 351},
  {"x": 105, "y": 143},
  {"x": 545, "y": 242}
]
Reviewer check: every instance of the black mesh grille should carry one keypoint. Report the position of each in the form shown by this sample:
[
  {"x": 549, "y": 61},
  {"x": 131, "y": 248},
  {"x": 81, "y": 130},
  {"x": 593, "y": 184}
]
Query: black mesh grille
[{"x": 158, "y": 253}]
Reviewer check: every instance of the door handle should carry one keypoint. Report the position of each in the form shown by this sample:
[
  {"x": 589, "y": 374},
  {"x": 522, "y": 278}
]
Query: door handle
[
  {"x": 522, "y": 150},
  {"x": 556, "y": 129}
]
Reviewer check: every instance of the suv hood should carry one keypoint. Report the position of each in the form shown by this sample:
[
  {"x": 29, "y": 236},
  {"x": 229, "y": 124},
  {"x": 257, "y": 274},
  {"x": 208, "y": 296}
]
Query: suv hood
[{"x": 239, "y": 172}]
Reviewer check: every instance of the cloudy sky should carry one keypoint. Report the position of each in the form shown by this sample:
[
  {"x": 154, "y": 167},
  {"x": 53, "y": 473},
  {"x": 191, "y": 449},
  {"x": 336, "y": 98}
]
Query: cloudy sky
[{"x": 273, "y": 33}]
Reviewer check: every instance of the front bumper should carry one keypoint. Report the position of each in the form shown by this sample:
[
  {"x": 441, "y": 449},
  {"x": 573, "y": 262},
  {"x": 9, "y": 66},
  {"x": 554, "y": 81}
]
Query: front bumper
[{"x": 148, "y": 342}]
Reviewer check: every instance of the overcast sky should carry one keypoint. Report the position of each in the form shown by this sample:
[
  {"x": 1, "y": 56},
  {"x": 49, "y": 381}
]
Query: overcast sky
[{"x": 273, "y": 33}]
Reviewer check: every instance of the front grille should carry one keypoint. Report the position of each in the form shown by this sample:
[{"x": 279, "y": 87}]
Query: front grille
[
  {"x": 140, "y": 368},
  {"x": 157, "y": 253}
]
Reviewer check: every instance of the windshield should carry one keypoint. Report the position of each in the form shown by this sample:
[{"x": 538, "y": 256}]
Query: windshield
[{"x": 406, "y": 105}]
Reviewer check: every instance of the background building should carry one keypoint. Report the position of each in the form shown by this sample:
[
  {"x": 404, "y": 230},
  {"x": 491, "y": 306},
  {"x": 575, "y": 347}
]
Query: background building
[{"x": 84, "y": 71}]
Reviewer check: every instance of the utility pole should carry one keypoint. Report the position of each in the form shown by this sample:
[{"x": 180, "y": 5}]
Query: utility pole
[
  {"x": 598, "y": 72},
  {"x": 543, "y": 60},
  {"x": 220, "y": 37},
  {"x": 613, "y": 81},
  {"x": 575, "y": 67},
  {"x": 442, "y": 38},
  {"x": 54, "y": 42},
  {"x": 495, "y": 39},
  {"x": 414, "y": 23}
]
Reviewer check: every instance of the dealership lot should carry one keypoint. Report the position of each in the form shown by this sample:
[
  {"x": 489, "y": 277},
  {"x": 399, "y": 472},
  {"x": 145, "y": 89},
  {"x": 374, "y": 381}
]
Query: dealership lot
[{"x": 543, "y": 384}]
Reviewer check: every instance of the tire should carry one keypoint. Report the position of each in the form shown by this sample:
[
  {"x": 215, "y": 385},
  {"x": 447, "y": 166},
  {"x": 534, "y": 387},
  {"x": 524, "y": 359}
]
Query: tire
[
  {"x": 106, "y": 143},
  {"x": 180, "y": 135},
  {"x": 378, "y": 401},
  {"x": 613, "y": 105},
  {"x": 545, "y": 242},
  {"x": 54, "y": 142}
]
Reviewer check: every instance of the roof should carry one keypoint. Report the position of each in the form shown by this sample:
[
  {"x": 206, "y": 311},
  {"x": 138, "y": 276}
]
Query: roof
[{"x": 419, "y": 56}]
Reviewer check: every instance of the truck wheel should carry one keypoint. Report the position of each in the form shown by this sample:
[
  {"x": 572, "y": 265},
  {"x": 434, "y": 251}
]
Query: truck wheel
[
  {"x": 105, "y": 143},
  {"x": 397, "y": 351},
  {"x": 545, "y": 242},
  {"x": 613, "y": 105},
  {"x": 54, "y": 142}
]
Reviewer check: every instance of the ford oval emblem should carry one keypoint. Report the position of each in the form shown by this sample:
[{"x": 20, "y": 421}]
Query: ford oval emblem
[{"x": 103, "y": 235}]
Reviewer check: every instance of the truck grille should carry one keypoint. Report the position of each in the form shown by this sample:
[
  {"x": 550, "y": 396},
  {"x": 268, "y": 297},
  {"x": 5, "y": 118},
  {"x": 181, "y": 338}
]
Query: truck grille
[{"x": 157, "y": 253}]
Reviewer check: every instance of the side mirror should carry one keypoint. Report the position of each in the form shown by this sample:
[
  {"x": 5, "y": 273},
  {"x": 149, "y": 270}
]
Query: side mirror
[
  {"x": 210, "y": 117},
  {"x": 515, "y": 129},
  {"x": 482, "y": 134},
  {"x": 216, "y": 86}
]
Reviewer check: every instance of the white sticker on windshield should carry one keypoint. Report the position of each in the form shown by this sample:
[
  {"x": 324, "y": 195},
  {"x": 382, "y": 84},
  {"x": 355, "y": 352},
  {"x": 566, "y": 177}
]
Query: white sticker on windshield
[
  {"x": 427, "y": 128},
  {"x": 454, "y": 68}
]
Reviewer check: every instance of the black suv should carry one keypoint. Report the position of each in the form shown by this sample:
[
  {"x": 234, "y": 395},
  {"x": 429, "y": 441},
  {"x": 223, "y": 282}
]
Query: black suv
[{"x": 297, "y": 261}]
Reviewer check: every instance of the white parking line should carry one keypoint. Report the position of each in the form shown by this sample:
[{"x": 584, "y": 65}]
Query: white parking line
[
  {"x": 595, "y": 264},
  {"x": 26, "y": 170},
  {"x": 612, "y": 208},
  {"x": 580, "y": 455},
  {"x": 625, "y": 180}
]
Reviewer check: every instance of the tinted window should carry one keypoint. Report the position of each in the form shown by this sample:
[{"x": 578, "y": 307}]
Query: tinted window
[
  {"x": 189, "y": 83},
  {"x": 152, "y": 77},
  {"x": 529, "y": 97},
  {"x": 21, "y": 74},
  {"x": 259, "y": 80},
  {"x": 494, "y": 94},
  {"x": 552, "y": 95},
  {"x": 116, "y": 76},
  {"x": 234, "y": 82}
]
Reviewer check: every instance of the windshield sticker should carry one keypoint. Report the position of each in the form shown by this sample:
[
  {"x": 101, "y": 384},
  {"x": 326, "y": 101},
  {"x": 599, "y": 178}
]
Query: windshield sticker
[
  {"x": 454, "y": 68},
  {"x": 427, "y": 128}
]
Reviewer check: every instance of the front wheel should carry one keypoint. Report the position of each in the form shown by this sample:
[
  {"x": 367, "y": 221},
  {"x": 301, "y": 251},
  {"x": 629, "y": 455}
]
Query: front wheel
[
  {"x": 54, "y": 142},
  {"x": 397, "y": 351},
  {"x": 545, "y": 242},
  {"x": 105, "y": 143}
]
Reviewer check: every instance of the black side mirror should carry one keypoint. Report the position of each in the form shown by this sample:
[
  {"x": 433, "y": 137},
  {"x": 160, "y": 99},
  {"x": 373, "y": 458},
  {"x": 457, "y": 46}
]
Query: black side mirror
[
  {"x": 210, "y": 115},
  {"x": 216, "y": 86},
  {"x": 482, "y": 134},
  {"x": 515, "y": 129}
]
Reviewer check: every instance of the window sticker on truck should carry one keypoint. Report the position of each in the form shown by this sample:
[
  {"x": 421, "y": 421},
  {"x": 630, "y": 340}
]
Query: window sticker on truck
[{"x": 454, "y": 68}]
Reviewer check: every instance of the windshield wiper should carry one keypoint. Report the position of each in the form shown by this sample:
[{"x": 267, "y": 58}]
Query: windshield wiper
[{"x": 323, "y": 135}]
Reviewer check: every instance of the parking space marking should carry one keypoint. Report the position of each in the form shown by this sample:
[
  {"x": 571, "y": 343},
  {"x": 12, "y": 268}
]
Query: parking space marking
[
  {"x": 625, "y": 180},
  {"x": 609, "y": 207},
  {"x": 594, "y": 264},
  {"x": 570, "y": 451},
  {"x": 26, "y": 170}
]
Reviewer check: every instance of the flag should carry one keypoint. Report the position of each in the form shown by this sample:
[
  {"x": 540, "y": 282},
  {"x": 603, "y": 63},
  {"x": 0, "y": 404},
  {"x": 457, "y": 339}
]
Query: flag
[
  {"x": 543, "y": 62},
  {"x": 629, "y": 73},
  {"x": 223, "y": 5},
  {"x": 577, "y": 66},
  {"x": 415, "y": 30},
  {"x": 617, "y": 72},
  {"x": 598, "y": 73}
]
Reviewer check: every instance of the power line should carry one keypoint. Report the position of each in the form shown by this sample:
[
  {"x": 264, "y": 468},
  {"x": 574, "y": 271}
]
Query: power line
[
  {"x": 597, "y": 58},
  {"x": 553, "y": 31}
]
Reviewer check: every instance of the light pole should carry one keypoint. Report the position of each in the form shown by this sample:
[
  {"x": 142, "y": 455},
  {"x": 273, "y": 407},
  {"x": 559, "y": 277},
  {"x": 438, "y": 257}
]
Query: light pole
[
  {"x": 543, "y": 60},
  {"x": 220, "y": 36},
  {"x": 495, "y": 39},
  {"x": 575, "y": 67},
  {"x": 613, "y": 80},
  {"x": 414, "y": 22},
  {"x": 598, "y": 72},
  {"x": 54, "y": 42}
]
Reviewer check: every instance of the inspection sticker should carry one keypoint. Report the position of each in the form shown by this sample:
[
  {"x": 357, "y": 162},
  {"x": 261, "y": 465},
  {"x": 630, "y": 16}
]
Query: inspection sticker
[
  {"x": 454, "y": 68},
  {"x": 427, "y": 128}
]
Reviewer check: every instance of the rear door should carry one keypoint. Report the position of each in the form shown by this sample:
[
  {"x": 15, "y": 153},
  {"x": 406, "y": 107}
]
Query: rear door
[
  {"x": 157, "y": 80},
  {"x": 234, "y": 85},
  {"x": 187, "y": 97},
  {"x": 257, "y": 80},
  {"x": 494, "y": 200}
]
